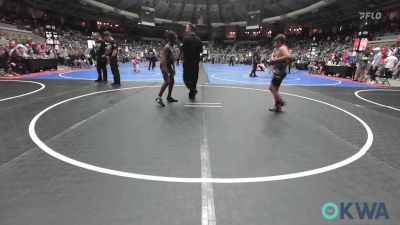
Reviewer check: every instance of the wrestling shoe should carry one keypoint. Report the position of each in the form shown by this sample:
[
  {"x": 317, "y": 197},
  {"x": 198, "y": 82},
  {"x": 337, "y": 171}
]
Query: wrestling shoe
[
  {"x": 277, "y": 108},
  {"x": 171, "y": 99},
  {"x": 192, "y": 95},
  {"x": 160, "y": 102}
]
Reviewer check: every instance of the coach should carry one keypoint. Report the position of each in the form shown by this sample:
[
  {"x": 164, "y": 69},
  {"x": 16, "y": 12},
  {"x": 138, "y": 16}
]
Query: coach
[{"x": 190, "y": 50}]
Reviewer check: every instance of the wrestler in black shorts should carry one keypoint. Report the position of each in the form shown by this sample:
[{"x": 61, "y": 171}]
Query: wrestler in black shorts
[
  {"x": 280, "y": 58},
  {"x": 278, "y": 75},
  {"x": 167, "y": 67}
]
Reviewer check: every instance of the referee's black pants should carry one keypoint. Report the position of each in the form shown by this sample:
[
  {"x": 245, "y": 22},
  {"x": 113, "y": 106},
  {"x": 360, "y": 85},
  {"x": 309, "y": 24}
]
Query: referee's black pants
[
  {"x": 253, "y": 72},
  {"x": 115, "y": 71},
  {"x": 102, "y": 68},
  {"x": 191, "y": 75}
]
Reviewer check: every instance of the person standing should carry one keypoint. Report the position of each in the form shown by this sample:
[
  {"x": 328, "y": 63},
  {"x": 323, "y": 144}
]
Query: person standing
[
  {"x": 190, "y": 51},
  {"x": 281, "y": 57},
  {"x": 100, "y": 57},
  {"x": 152, "y": 59},
  {"x": 362, "y": 65},
  {"x": 232, "y": 61},
  {"x": 375, "y": 64},
  {"x": 168, "y": 69},
  {"x": 255, "y": 58},
  {"x": 112, "y": 53},
  {"x": 390, "y": 65}
]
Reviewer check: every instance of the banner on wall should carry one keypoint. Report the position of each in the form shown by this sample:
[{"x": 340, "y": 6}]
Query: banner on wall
[
  {"x": 363, "y": 44},
  {"x": 253, "y": 20},
  {"x": 147, "y": 16},
  {"x": 356, "y": 44}
]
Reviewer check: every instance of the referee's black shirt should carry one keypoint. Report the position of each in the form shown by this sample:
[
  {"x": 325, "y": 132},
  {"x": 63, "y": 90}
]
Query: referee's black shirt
[{"x": 191, "y": 48}]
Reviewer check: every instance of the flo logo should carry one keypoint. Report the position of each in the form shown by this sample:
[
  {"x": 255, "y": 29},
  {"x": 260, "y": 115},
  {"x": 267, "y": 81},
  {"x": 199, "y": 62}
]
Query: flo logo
[
  {"x": 370, "y": 15},
  {"x": 355, "y": 210}
]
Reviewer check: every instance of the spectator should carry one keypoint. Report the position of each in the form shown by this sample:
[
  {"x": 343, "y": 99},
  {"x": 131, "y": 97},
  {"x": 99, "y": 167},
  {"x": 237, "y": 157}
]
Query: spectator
[
  {"x": 375, "y": 64},
  {"x": 3, "y": 61},
  {"x": 390, "y": 65},
  {"x": 17, "y": 61}
]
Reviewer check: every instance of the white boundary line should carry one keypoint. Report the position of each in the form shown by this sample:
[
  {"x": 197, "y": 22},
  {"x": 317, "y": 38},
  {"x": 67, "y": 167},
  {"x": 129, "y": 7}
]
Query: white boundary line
[
  {"x": 247, "y": 82},
  {"x": 357, "y": 94},
  {"x": 207, "y": 191},
  {"x": 203, "y": 103},
  {"x": 73, "y": 78},
  {"x": 364, "y": 149},
  {"x": 270, "y": 77},
  {"x": 29, "y": 93},
  {"x": 203, "y": 106}
]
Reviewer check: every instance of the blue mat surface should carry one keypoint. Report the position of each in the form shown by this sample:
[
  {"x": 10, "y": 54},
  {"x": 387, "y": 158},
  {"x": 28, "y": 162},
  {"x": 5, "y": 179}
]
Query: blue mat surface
[{"x": 217, "y": 74}]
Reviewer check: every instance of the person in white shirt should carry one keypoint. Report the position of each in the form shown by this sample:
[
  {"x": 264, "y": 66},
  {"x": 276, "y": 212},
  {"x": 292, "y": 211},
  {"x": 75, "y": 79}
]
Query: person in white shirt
[{"x": 390, "y": 65}]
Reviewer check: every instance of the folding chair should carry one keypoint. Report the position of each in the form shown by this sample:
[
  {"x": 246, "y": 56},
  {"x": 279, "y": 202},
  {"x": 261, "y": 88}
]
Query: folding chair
[{"x": 383, "y": 76}]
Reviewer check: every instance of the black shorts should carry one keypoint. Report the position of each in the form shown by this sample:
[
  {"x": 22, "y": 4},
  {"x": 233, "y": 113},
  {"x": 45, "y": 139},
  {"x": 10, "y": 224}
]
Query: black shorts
[
  {"x": 170, "y": 75},
  {"x": 278, "y": 76}
]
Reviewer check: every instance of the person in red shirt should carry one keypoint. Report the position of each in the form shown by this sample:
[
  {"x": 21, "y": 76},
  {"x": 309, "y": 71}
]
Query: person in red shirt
[{"x": 345, "y": 57}]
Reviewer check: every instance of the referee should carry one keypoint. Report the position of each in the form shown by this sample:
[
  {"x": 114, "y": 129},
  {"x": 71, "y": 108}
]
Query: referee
[
  {"x": 190, "y": 50},
  {"x": 100, "y": 57},
  {"x": 255, "y": 60}
]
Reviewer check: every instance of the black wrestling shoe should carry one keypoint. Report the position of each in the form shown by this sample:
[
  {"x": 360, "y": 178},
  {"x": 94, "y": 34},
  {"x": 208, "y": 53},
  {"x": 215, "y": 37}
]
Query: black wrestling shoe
[
  {"x": 160, "y": 102},
  {"x": 116, "y": 84},
  {"x": 276, "y": 109},
  {"x": 171, "y": 99},
  {"x": 192, "y": 94},
  {"x": 255, "y": 76},
  {"x": 283, "y": 103},
  {"x": 98, "y": 81}
]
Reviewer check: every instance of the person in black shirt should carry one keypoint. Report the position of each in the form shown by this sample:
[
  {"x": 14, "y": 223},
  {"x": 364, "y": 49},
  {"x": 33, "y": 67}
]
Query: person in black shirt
[
  {"x": 255, "y": 60},
  {"x": 17, "y": 61},
  {"x": 4, "y": 56},
  {"x": 98, "y": 54},
  {"x": 112, "y": 53},
  {"x": 190, "y": 50},
  {"x": 231, "y": 60},
  {"x": 152, "y": 59}
]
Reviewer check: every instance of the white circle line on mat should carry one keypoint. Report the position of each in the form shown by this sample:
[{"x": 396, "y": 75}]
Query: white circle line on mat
[
  {"x": 364, "y": 149},
  {"x": 357, "y": 94},
  {"x": 42, "y": 86},
  {"x": 283, "y": 84}
]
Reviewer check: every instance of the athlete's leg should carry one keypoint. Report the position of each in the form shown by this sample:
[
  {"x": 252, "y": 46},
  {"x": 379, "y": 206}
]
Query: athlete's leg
[
  {"x": 171, "y": 84},
  {"x": 167, "y": 82}
]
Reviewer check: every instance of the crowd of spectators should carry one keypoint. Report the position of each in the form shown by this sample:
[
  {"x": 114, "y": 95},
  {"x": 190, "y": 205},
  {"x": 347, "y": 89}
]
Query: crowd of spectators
[
  {"x": 315, "y": 55},
  {"x": 72, "y": 51}
]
